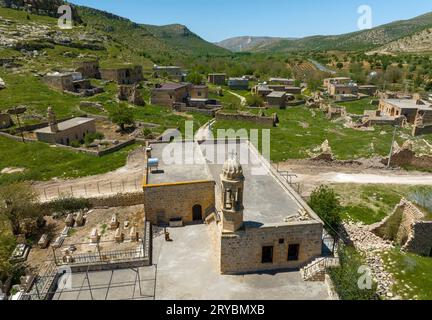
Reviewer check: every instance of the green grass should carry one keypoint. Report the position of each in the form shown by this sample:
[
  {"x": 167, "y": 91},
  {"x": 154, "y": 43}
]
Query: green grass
[
  {"x": 412, "y": 274},
  {"x": 26, "y": 89},
  {"x": 43, "y": 162},
  {"x": 291, "y": 140},
  {"x": 358, "y": 106},
  {"x": 372, "y": 203}
]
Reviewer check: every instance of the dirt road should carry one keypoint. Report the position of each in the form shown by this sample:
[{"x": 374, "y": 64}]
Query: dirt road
[{"x": 311, "y": 175}]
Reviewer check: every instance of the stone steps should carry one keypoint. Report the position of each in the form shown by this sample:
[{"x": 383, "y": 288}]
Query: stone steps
[{"x": 317, "y": 269}]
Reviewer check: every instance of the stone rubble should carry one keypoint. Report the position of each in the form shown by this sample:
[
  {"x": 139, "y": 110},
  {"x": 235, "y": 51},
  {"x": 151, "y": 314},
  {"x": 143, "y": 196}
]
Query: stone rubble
[{"x": 370, "y": 245}]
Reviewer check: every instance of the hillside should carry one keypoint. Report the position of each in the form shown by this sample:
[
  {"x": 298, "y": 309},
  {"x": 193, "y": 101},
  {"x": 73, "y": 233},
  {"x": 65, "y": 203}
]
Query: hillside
[
  {"x": 420, "y": 42},
  {"x": 119, "y": 37},
  {"x": 360, "y": 40},
  {"x": 246, "y": 43}
]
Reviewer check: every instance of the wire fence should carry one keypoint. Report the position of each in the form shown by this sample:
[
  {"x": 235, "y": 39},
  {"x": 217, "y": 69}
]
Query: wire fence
[{"x": 96, "y": 188}]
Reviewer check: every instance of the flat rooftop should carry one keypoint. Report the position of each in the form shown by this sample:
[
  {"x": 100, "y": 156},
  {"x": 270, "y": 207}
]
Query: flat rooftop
[
  {"x": 178, "y": 162},
  {"x": 68, "y": 124},
  {"x": 266, "y": 201},
  {"x": 171, "y": 86},
  {"x": 408, "y": 104},
  {"x": 276, "y": 94}
]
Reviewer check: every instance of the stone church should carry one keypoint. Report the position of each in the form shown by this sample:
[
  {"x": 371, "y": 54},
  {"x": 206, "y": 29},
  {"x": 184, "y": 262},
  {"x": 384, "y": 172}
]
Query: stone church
[{"x": 256, "y": 222}]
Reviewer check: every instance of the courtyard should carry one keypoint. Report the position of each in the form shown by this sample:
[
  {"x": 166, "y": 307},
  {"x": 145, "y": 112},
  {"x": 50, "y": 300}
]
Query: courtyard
[{"x": 186, "y": 270}]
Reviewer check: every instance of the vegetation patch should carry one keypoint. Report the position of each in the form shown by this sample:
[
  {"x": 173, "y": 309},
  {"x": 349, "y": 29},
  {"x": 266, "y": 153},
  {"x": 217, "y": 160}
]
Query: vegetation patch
[
  {"x": 412, "y": 274},
  {"x": 346, "y": 277}
]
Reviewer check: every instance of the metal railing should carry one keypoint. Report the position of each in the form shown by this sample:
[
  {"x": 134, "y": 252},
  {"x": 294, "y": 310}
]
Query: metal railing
[{"x": 91, "y": 189}]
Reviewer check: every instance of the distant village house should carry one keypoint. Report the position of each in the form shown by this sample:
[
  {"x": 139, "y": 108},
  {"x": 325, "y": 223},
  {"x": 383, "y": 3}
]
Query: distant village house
[{"x": 67, "y": 131}]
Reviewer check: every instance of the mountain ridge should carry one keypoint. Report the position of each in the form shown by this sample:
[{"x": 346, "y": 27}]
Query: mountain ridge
[{"x": 357, "y": 40}]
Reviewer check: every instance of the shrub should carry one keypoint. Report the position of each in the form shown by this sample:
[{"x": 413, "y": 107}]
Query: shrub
[
  {"x": 255, "y": 101},
  {"x": 346, "y": 277},
  {"x": 91, "y": 137},
  {"x": 325, "y": 202},
  {"x": 75, "y": 144},
  {"x": 66, "y": 205}
]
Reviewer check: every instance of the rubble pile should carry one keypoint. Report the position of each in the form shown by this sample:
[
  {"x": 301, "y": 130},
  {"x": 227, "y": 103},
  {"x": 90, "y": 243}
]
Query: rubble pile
[{"x": 370, "y": 245}]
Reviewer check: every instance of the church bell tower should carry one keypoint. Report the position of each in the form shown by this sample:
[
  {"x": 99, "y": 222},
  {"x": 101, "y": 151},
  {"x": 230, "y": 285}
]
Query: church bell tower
[{"x": 232, "y": 185}]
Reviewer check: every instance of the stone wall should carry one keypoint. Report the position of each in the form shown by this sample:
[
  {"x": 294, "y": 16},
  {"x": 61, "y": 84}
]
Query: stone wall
[
  {"x": 418, "y": 131},
  {"x": 242, "y": 252},
  {"x": 407, "y": 157},
  {"x": 267, "y": 121},
  {"x": 405, "y": 226},
  {"x": 420, "y": 240},
  {"x": 167, "y": 201}
]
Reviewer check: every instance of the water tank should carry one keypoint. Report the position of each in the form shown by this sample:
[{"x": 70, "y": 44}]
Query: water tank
[{"x": 153, "y": 163}]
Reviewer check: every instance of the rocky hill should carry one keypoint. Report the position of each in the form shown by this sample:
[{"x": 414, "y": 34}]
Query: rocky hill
[
  {"x": 120, "y": 37},
  {"x": 420, "y": 42},
  {"x": 42, "y": 7},
  {"x": 246, "y": 43},
  {"x": 360, "y": 40}
]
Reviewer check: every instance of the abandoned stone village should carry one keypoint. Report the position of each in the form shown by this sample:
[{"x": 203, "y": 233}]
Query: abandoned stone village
[
  {"x": 237, "y": 225},
  {"x": 221, "y": 221}
]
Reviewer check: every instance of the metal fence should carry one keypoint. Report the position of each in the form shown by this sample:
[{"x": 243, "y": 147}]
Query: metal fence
[{"x": 91, "y": 189}]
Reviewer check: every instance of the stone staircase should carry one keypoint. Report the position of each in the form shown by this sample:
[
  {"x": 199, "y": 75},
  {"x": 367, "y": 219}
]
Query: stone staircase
[{"x": 317, "y": 269}]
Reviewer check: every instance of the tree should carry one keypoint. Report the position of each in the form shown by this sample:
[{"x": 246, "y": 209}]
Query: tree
[
  {"x": 122, "y": 116},
  {"x": 393, "y": 74},
  {"x": 339, "y": 65},
  {"x": 194, "y": 78},
  {"x": 91, "y": 137},
  {"x": 255, "y": 101},
  {"x": 18, "y": 202},
  {"x": 325, "y": 202}
]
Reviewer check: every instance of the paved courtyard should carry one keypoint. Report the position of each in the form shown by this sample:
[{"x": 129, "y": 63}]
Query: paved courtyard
[
  {"x": 108, "y": 285},
  {"x": 186, "y": 269}
]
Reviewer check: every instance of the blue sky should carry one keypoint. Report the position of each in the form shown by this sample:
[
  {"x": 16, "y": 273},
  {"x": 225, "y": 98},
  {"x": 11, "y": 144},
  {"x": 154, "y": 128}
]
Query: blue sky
[{"x": 215, "y": 20}]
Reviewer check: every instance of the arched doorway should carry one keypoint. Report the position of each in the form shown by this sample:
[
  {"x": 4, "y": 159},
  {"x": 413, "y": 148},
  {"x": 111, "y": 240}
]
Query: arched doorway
[{"x": 197, "y": 213}]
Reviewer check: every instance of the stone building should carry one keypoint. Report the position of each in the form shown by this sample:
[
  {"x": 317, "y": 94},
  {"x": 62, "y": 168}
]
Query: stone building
[
  {"x": 337, "y": 80},
  {"x": 59, "y": 81},
  {"x": 123, "y": 75},
  {"x": 335, "y": 89},
  {"x": 369, "y": 90},
  {"x": 261, "y": 90},
  {"x": 131, "y": 94},
  {"x": 217, "y": 78},
  {"x": 255, "y": 219},
  {"x": 67, "y": 131},
  {"x": 238, "y": 83},
  {"x": 71, "y": 82},
  {"x": 89, "y": 69},
  {"x": 282, "y": 81},
  {"x": 199, "y": 92},
  {"x": 169, "y": 93},
  {"x": 173, "y": 191},
  {"x": 277, "y": 99},
  {"x": 409, "y": 108},
  {"x": 172, "y": 72},
  {"x": 5, "y": 121}
]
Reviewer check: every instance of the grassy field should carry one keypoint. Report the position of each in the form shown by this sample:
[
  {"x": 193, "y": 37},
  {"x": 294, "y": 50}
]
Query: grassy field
[
  {"x": 42, "y": 162},
  {"x": 412, "y": 274},
  {"x": 358, "y": 106},
  {"x": 369, "y": 203},
  {"x": 302, "y": 130}
]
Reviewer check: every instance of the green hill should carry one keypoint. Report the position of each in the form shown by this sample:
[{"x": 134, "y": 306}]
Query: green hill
[{"x": 360, "y": 40}]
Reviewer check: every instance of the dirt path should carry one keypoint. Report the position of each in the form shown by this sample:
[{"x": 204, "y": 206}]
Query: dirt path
[
  {"x": 242, "y": 99},
  {"x": 312, "y": 174}
]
